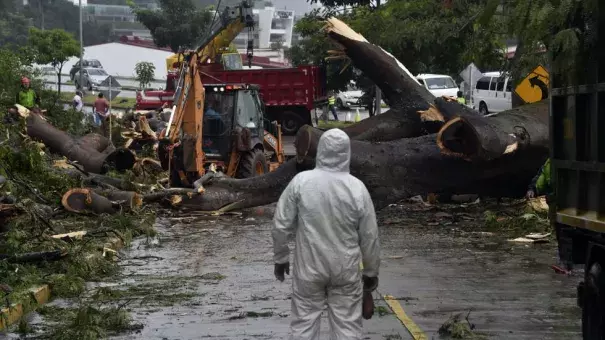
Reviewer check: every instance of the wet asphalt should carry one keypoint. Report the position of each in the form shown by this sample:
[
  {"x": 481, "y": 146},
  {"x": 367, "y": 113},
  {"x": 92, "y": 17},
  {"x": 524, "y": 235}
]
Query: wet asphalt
[{"x": 224, "y": 265}]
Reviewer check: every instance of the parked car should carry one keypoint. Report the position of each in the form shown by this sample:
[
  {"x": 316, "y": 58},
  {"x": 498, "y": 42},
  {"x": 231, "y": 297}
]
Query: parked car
[
  {"x": 91, "y": 78},
  {"x": 88, "y": 63},
  {"x": 439, "y": 84},
  {"x": 493, "y": 93},
  {"x": 348, "y": 98}
]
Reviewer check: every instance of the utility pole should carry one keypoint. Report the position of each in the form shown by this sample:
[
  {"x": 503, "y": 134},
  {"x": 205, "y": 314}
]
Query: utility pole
[
  {"x": 81, "y": 44},
  {"x": 378, "y": 96}
]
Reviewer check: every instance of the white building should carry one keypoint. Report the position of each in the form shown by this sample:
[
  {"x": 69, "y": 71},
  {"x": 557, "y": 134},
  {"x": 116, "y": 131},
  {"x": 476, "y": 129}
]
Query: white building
[
  {"x": 119, "y": 59},
  {"x": 273, "y": 26}
]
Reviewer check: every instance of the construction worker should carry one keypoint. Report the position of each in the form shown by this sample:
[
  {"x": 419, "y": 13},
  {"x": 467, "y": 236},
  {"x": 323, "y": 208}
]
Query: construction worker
[
  {"x": 461, "y": 98},
  {"x": 332, "y": 105},
  {"x": 540, "y": 184},
  {"x": 333, "y": 217},
  {"x": 27, "y": 96}
]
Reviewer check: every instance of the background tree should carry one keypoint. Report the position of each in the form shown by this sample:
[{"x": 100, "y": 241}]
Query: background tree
[
  {"x": 13, "y": 29},
  {"x": 177, "y": 24},
  {"x": 313, "y": 49},
  {"x": 145, "y": 72},
  {"x": 53, "y": 47}
]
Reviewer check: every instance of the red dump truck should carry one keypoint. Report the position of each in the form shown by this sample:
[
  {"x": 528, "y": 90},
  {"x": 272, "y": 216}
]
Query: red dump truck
[{"x": 290, "y": 94}]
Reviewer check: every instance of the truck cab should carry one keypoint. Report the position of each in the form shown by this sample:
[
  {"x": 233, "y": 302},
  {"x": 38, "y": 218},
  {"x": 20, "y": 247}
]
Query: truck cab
[{"x": 237, "y": 139}]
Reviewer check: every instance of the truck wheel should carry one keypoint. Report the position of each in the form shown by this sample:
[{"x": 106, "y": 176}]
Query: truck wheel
[
  {"x": 340, "y": 104},
  {"x": 252, "y": 163},
  {"x": 290, "y": 122},
  {"x": 483, "y": 109},
  {"x": 593, "y": 310}
]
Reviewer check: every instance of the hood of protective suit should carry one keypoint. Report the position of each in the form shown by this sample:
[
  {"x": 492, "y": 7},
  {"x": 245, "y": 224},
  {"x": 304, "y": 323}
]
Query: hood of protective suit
[{"x": 333, "y": 151}]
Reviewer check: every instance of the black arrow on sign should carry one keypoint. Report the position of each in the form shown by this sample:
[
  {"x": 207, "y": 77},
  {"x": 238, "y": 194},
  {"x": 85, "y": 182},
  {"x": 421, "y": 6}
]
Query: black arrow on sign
[{"x": 536, "y": 81}]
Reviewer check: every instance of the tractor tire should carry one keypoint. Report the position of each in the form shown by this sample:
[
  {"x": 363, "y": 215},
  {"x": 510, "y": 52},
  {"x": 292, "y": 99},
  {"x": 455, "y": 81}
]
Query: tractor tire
[
  {"x": 593, "y": 304},
  {"x": 290, "y": 122},
  {"x": 252, "y": 163}
]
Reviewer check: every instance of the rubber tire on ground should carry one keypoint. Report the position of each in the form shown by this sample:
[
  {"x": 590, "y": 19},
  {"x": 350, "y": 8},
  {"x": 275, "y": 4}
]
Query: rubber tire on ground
[
  {"x": 248, "y": 162},
  {"x": 483, "y": 109},
  {"x": 340, "y": 104},
  {"x": 593, "y": 311},
  {"x": 290, "y": 122}
]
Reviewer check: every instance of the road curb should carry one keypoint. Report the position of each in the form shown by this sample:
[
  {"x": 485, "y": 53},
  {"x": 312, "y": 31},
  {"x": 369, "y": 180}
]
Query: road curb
[{"x": 40, "y": 295}]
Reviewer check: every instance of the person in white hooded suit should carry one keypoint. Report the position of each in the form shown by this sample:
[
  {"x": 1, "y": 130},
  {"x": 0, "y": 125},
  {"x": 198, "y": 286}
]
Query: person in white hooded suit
[{"x": 332, "y": 215}]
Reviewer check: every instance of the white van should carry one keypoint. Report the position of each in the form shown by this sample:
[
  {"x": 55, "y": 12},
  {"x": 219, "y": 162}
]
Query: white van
[
  {"x": 493, "y": 93},
  {"x": 439, "y": 84}
]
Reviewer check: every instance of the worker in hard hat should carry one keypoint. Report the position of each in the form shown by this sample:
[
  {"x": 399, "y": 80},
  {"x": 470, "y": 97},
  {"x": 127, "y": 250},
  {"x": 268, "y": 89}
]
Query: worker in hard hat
[
  {"x": 27, "y": 96},
  {"x": 332, "y": 215}
]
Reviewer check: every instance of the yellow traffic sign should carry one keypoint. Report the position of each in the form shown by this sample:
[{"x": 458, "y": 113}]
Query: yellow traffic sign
[{"x": 534, "y": 86}]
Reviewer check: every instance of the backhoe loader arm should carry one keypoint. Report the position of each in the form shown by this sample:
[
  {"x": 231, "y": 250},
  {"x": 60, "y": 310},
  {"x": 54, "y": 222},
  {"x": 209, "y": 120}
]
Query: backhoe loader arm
[{"x": 188, "y": 110}]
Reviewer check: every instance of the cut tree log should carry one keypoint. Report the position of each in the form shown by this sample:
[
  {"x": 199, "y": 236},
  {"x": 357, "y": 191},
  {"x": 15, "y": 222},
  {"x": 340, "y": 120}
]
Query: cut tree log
[
  {"x": 128, "y": 200},
  {"x": 480, "y": 138},
  {"x": 443, "y": 110},
  {"x": 84, "y": 200},
  {"x": 62, "y": 143}
]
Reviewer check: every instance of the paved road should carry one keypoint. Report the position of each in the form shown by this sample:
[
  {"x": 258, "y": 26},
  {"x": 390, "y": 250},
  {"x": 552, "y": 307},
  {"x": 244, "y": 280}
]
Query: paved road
[{"x": 432, "y": 271}]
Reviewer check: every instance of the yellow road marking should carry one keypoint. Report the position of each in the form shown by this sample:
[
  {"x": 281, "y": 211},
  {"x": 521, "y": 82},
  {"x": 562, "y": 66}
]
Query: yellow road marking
[{"x": 411, "y": 326}]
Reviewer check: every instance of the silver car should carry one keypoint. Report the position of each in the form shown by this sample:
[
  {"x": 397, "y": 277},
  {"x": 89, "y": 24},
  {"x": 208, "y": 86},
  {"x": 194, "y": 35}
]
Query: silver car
[{"x": 91, "y": 78}]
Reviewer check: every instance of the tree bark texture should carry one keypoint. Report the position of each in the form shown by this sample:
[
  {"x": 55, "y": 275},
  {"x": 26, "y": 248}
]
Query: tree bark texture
[{"x": 78, "y": 150}]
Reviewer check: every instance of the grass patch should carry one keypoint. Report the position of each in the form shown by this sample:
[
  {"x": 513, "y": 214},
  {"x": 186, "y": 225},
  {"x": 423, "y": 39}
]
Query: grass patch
[
  {"x": 151, "y": 291},
  {"x": 252, "y": 314},
  {"x": 382, "y": 311},
  {"x": 87, "y": 322},
  {"x": 515, "y": 222},
  {"x": 89, "y": 99},
  {"x": 213, "y": 276},
  {"x": 456, "y": 328},
  {"x": 333, "y": 124}
]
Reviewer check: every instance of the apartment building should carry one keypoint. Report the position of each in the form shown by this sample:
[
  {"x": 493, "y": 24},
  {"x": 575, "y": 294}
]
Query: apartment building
[{"x": 274, "y": 27}]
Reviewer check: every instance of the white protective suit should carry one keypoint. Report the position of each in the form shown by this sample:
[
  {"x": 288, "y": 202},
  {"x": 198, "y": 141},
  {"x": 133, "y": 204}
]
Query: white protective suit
[{"x": 333, "y": 216}]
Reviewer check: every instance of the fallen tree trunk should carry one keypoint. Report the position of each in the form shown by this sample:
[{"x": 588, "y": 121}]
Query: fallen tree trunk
[
  {"x": 399, "y": 169},
  {"x": 75, "y": 150},
  {"x": 231, "y": 194},
  {"x": 410, "y": 163},
  {"x": 403, "y": 92},
  {"x": 97, "y": 143}
]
